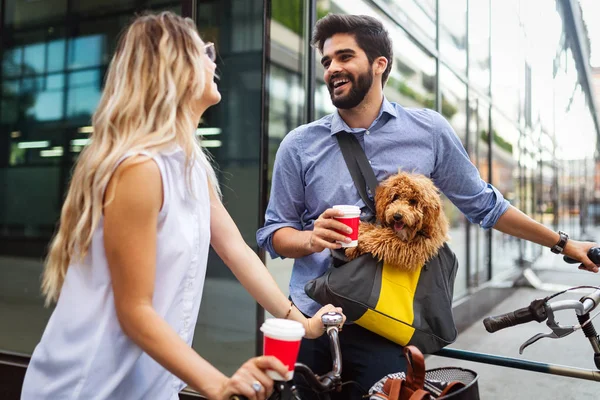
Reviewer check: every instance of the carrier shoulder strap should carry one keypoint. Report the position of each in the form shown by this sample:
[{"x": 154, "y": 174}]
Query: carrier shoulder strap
[{"x": 359, "y": 167}]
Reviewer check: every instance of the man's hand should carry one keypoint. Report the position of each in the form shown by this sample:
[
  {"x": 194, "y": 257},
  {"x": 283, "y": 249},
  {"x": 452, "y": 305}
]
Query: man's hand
[
  {"x": 326, "y": 230},
  {"x": 578, "y": 251}
]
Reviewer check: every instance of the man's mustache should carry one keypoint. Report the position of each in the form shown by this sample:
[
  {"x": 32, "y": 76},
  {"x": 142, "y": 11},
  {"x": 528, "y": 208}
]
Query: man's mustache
[{"x": 339, "y": 75}]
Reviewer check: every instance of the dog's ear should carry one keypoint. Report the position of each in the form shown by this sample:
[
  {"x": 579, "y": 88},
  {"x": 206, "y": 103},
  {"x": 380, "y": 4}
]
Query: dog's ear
[
  {"x": 431, "y": 214},
  {"x": 436, "y": 205},
  {"x": 383, "y": 197}
]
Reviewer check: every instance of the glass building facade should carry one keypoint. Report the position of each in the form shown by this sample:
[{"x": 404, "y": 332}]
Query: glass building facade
[{"x": 510, "y": 76}]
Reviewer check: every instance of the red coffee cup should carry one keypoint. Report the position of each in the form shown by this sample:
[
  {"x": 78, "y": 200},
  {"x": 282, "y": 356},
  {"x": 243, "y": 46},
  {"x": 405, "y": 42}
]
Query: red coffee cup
[
  {"x": 282, "y": 339},
  {"x": 352, "y": 219}
]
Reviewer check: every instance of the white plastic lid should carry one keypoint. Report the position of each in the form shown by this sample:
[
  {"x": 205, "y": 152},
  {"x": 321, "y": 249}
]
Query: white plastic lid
[
  {"x": 349, "y": 211},
  {"x": 283, "y": 329}
]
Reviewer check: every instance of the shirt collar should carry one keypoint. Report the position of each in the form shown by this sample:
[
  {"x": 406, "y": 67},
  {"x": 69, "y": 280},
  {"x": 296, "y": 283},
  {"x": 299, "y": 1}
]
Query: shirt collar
[{"x": 339, "y": 125}]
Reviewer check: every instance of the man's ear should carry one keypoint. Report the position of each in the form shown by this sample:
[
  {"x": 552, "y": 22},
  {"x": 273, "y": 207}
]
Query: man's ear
[{"x": 380, "y": 64}]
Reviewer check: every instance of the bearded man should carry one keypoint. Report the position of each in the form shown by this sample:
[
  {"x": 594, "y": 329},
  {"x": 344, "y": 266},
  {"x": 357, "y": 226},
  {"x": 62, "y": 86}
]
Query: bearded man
[{"x": 310, "y": 176}]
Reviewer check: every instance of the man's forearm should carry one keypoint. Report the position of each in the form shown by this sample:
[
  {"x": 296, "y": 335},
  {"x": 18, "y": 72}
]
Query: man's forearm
[
  {"x": 516, "y": 223},
  {"x": 292, "y": 243}
]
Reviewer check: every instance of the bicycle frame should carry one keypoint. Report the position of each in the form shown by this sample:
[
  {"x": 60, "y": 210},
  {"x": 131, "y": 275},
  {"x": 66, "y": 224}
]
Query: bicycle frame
[{"x": 509, "y": 362}]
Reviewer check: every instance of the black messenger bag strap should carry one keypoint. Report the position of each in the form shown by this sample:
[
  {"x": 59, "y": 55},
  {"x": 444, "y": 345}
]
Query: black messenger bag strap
[{"x": 359, "y": 167}]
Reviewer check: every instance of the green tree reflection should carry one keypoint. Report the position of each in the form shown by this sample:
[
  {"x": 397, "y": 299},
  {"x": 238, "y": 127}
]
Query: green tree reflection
[
  {"x": 290, "y": 14},
  {"x": 16, "y": 103},
  {"x": 448, "y": 109},
  {"x": 499, "y": 140}
]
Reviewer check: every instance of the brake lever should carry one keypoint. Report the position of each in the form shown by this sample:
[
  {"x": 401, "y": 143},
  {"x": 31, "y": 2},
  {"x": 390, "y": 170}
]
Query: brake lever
[{"x": 558, "y": 331}]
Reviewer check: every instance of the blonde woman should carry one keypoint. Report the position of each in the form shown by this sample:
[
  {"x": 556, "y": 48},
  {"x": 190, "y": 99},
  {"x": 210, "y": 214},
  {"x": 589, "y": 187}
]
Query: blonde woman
[{"x": 128, "y": 262}]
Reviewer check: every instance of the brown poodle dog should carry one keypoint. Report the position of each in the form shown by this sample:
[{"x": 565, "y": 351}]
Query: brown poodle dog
[{"x": 411, "y": 224}]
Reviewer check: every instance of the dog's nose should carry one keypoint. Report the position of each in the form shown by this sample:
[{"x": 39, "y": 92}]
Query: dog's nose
[{"x": 397, "y": 217}]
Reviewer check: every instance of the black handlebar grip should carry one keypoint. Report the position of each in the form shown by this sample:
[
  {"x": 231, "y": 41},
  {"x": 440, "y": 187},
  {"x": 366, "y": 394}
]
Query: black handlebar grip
[
  {"x": 593, "y": 254},
  {"x": 520, "y": 316}
]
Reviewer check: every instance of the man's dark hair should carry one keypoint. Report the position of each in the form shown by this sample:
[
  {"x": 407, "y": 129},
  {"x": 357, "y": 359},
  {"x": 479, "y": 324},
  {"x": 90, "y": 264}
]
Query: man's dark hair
[{"x": 369, "y": 33}]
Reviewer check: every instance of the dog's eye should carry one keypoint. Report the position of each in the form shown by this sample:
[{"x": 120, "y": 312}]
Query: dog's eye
[
  {"x": 412, "y": 202},
  {"x": 396, "y": 197}
]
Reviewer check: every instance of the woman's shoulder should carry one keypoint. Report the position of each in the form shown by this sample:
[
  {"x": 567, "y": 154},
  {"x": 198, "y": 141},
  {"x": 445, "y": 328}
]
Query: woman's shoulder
[{"x": 136, "y": 180}]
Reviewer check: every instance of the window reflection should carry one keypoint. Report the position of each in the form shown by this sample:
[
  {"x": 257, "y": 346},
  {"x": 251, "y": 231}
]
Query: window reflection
[
  {"x": 11, "y": 62},
  {"x": 56, "y": 55},
  {"x": 34, "y": 57},
  {"x": 11, "y": 99},
  {"x": 84, "y": 93},
  {"x": 454, "y": 98},
  {"x": 86, "y": 51},
  {"x": 418, "y": 16},
  {"x": 479, "y": 153},
  {"x": 479, "y": 44},
  {"x": 24, "y": 13},
  {"x": 505, "y": 177},
  {"x": 575, "y": 147},
  {"x": 49, "y": 101},
  {"x": 286, "y": 107},
  {"x": 40, "y": 91},
  {"x": 412, "y": 80},
  {"x": 543, "y": 47},
  {"x": 323, "y": 104},
  {"x": 287, "y": 96},
  {"x": 508, "y": 60},
  {"x": 453, "y": 32}
]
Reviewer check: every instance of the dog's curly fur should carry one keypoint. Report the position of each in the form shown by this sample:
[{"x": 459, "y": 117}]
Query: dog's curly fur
[{"x": 411, "y": 224}]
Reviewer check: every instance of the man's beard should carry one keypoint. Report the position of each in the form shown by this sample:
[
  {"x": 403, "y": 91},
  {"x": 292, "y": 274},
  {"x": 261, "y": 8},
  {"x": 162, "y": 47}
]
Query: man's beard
[{"x": 357, "y": 93}]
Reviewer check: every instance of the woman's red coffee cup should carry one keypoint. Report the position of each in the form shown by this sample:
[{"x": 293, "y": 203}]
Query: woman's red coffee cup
[
  {"x": 352, "y": 219},
  {"x": 282, "y": 339}
]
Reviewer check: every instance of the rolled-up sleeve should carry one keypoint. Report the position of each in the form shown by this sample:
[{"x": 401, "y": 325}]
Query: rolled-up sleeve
[
  {"x": 286, "y": 202},
  {"x": 456, "y": 176}
]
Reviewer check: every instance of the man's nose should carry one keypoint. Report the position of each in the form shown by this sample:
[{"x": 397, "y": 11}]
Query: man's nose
[
  {"x": 334, "y": 67},
  {"x": 330, "y": 72}
]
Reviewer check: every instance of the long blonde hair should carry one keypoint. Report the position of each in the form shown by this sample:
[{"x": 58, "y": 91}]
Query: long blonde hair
[{"x": 155, "y": 76}]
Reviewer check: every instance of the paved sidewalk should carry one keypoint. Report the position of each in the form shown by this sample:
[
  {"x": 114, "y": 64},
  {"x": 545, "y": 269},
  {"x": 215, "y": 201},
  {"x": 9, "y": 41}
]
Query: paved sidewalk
[{"x": 574, "y": 350}]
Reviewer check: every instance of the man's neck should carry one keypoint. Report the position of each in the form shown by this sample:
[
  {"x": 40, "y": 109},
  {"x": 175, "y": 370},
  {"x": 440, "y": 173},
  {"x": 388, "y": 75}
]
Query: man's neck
[{"x": 363, "y": 115}]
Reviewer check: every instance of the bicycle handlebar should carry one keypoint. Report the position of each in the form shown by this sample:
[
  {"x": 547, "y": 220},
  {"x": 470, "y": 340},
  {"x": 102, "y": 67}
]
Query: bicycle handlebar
[
  {"x": 332, "y": 321},
  {"x": 593, "y": 254},
  {"x": 498, "y": 322},
  {"x": 535, "y": 312},
  {"x": 543, "y": 310}
]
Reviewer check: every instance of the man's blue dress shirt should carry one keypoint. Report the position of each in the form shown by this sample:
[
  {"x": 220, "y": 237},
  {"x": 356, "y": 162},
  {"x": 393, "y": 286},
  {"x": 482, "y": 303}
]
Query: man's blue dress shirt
[{"x": 310, "y": 176}]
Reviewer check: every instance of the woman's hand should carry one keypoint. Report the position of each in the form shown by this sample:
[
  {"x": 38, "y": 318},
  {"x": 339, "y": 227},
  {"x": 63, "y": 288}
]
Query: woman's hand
[
  {"x": 252, "y": 376},
  {"x": 314, "y": 326}
]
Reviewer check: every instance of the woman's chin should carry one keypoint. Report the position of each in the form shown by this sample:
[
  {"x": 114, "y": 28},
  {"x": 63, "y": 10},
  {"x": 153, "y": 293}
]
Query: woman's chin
[
  {"x": 215, "y": 95},
  {"x": 216, "y": 98}
]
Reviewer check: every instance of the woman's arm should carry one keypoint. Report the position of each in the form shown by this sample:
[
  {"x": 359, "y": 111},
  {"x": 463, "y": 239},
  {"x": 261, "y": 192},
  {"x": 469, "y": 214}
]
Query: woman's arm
[
  {"x": 130, "y": 221},
  {"x": 229, "y": 244}
]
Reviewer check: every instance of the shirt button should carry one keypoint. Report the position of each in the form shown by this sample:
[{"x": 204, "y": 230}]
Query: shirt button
[
  {"x": 367, "y": 132},
  {"x": 370, "y": 162}
]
